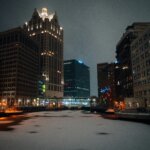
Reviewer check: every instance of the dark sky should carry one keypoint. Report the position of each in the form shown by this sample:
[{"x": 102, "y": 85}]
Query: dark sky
[{"x": 92, "y": 28}]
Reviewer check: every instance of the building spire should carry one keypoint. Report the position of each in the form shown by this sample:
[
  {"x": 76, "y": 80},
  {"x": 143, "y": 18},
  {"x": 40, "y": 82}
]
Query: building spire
[{"x": 35, "y": 13}]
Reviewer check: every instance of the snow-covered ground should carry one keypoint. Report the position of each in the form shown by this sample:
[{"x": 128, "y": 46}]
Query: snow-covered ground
[{"x": 75, "y": 130}]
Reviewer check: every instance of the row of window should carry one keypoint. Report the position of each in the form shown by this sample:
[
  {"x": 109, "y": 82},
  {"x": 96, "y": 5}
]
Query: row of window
[
  {"x": 17, "y": 37},
  {"x": 142, "y": 66},
  {"x": 141, "y": 40},
  {"x": 142, "y": 93},
  {"x": 128, "y": 86},
  {"x": 55, "y": 88},
  {"x": 7, "y": 94},
  {"x": 44, "y": 25},
  {"x": 141, "y": 58},
  {"x": 142, "y": 82},
  {"x": 142, "y": 74}
]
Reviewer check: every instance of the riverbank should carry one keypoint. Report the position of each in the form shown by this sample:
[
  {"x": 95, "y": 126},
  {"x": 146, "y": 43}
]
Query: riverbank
[{"x": 133, "y": 116}]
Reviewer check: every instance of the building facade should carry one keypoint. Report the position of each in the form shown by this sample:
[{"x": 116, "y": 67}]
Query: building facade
[
  {"x": 140, "y": 54},
  {"x": 76, "y": 79},
  {"x": 106, "y": 82},
  {"x": 18, "y": 67},
  {"x": 123, "y": 56},
  {"x": 45, "y": 29},
  {"x": 102, "y": 76}
]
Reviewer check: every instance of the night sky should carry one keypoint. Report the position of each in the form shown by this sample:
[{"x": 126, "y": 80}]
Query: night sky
[{"x": 92, "y": 28}]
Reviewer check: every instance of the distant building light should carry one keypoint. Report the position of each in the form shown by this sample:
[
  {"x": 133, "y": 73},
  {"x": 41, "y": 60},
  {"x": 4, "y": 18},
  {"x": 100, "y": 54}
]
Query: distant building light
[
  {"x": 47, "y": 79},
  {"x": 67, "y": 63},
  {"x": 44, "y": 11},
  {"x": 44, "y": 14},
  {"x": 116, "y": 62},
  {"x": 94, "y": 100},
  {"x": 118, "y": 83},
  {"x": 80, "y": 61},
  {"x": 58, "y": 71},
  {"x": 19, "y": 100},
  {"x": 62, "y": 82},
  {"x": 26, "y": 23},
  {"x": 28, "y": 100},
  {"x": 125, "y": 67}
]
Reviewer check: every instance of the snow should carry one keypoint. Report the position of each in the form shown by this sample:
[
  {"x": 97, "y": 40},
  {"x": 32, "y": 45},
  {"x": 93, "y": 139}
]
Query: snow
[{"x": 75, "y": 130}]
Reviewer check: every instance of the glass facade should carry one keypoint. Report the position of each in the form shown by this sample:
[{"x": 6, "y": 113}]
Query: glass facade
[{"x": 77, "y": 79}]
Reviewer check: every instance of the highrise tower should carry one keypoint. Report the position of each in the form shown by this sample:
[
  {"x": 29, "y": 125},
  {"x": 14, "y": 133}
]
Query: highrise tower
[{"x": 45, "y": 29}]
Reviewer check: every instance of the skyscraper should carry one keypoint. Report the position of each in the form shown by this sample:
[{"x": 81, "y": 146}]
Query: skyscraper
[
  {"x": 106, "y": 82},
  {"x": 45, "y": 29},
  {"x": 140, "y": 54},
  {"x": 123, "y": 55},
  {"x": 18, "y": 67},
  {"x": 77, "y": 79}
]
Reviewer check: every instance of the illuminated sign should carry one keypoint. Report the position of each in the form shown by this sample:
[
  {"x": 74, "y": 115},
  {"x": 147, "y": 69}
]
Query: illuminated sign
[{"x": 105, "y": 89}]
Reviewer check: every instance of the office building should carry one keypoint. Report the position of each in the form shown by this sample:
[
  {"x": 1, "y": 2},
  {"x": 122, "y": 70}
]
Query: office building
[
  {"x": 76, "y": 79},
  {"x": 18, "y": 68},
  {"x": 44, "y": 28},
  {"x": 106, "y": 81},
  {"x": 123, "y": 55},
  {"x": 140, "y": 56}
]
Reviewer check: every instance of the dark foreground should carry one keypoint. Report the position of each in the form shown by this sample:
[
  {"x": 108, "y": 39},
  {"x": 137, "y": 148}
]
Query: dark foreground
[{"x": 71, "y": 130}]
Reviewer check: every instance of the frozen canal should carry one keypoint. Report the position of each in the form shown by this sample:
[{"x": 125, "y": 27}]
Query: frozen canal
[{"x": 73, "y": 130}]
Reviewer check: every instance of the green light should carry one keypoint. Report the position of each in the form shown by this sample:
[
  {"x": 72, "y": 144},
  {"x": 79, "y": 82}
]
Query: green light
[{"x": 43, "y": 88}]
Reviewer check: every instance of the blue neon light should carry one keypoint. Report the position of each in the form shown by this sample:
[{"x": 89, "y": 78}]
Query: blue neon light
[
  {"x": 105, "y": 89},
  {"x": 80, "y": 61}
]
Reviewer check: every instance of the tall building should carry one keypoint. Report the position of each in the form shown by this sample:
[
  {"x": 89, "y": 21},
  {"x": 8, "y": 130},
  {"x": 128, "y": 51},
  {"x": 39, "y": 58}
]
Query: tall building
[
  {"x": 123, "y": 55},
  {"x": 45, "y": 29},
  {"x": 140, "y": 54},
  {"x": 102, "y": 76},
  {"x": 106, "y": 81},
  {"x": 18, "y": 67},
  {"x": 76, "y": 79}
]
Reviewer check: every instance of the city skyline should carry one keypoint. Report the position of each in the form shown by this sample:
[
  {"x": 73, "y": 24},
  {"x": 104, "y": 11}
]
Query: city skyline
[{"x": 92, "y": 29}]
